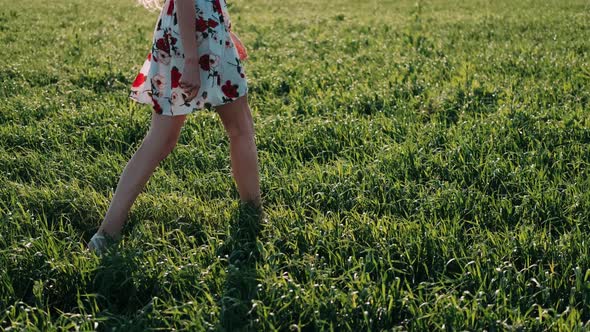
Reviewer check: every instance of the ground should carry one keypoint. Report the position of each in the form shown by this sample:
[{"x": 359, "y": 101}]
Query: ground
[{"x": 424, "y": 165}]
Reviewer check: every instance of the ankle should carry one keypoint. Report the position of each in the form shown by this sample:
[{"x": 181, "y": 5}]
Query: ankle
[
  {"x": 111, "y": 235},
  {"x": 255, "y": 205},
  {"x": 255, "y": 201}
]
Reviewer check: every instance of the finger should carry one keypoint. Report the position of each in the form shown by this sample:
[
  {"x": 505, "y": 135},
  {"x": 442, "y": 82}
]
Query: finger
[
  {"x": 184, "y": 84},
  {"x": 191, "y": 95},
  {"x": 195, "y": 93},
  {"x": 188, "y": 88},
  {"x": 187, "y": 96}
]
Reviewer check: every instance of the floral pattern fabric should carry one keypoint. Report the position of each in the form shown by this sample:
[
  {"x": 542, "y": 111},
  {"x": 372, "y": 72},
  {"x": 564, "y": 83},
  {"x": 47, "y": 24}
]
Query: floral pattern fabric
[{"x": 220, "y": 62}]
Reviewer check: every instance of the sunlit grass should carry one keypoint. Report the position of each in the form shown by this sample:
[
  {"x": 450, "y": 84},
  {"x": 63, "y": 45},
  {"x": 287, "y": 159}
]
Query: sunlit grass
[{"x": 424, "y": 165}]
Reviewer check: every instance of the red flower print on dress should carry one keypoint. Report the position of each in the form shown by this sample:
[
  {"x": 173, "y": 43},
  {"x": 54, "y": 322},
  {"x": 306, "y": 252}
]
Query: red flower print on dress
[
  {"x": 208, "y": 61},
  {"x": 217, "y": 6},
  {"x": 177, "y": 97},
  {"x": 162, "y": 44},
  {"x": 139, "y": 80},
  {"x": 219, "y": 62},
  {"x": 201, "y": 24},
  {"x": 175, "y": 77},
  {"x": 230, "y": 90},
  {"x": 157, "y": 107},
  {"x": 158, "y": 82},
  {"x": 204, "y": 62},
  {"x": 162, "y": 49},
  {"x": 170, "y": 7},
  {"x": 212, "y": 23},
  {"x": 163, "y": 57}
]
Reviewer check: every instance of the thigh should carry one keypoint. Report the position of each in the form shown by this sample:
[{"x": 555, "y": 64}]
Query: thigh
[
  {"x": 166, "y": 127},
  {"x": 236, "y": 116}
]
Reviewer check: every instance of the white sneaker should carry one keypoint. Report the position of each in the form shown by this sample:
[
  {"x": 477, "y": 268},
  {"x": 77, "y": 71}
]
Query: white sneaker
[{"x": 98, "y": 244}]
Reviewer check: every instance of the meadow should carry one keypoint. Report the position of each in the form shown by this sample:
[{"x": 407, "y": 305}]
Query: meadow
[{"x": 425, "y": 165}]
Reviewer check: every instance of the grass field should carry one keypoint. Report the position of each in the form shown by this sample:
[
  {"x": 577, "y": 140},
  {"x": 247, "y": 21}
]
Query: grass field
[{"x": 424, "y": 164}]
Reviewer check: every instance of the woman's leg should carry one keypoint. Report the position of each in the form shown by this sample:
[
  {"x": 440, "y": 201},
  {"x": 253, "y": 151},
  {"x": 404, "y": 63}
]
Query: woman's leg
[
  {"x": 159, "y": 141},
  {"x": 237, "y": 120}
]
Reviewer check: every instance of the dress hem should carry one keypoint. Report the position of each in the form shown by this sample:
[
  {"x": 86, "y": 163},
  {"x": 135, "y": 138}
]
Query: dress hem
[{"x": 184, "y": 111}]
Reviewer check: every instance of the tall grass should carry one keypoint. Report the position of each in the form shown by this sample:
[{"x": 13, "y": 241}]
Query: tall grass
[{"x": 424, "y": 166}]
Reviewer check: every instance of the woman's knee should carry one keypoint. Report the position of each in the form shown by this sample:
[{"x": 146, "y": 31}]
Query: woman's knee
[
  {"x": 168, "y": 146},
  {"x": 239, "y": 129},
  {"x": 237, "y": 119}
]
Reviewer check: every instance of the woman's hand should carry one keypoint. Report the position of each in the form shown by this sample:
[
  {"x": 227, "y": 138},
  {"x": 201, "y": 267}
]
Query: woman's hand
[{"x": 190, "y": 80}]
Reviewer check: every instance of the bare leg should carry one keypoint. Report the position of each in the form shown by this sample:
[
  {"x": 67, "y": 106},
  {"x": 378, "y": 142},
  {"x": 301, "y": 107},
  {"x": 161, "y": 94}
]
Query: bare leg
[
  {"x": 156, "y": 145},
  {"x": 237, "y": 120}
]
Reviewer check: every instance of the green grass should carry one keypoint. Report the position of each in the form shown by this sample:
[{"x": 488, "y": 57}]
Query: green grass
[{"x": 425, "y": 165}]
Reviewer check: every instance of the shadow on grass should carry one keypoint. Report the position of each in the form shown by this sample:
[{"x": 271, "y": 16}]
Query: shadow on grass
[
  {"x": 122, "y": 291},
  {"x": 127, "y": 294},
  {"x": 240, "y": 285}
]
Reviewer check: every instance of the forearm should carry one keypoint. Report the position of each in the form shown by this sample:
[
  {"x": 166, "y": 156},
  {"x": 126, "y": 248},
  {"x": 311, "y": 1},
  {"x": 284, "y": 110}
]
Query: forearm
[{"x": 187, "y": 17}]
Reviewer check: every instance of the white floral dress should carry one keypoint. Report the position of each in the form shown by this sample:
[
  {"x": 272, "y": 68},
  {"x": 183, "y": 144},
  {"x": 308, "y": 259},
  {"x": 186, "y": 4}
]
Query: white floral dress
[{"x": 220, "y": 60}]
